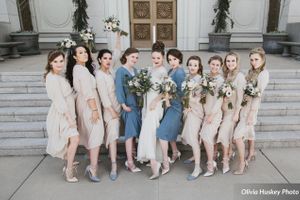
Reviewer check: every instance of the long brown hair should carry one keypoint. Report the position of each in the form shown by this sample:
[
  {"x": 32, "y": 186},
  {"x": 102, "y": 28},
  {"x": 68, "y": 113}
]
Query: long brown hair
[
  {"x": 197, "y": 58},
  {"x": 51, "y": 56},
  {"x": 226, "y": 71}
]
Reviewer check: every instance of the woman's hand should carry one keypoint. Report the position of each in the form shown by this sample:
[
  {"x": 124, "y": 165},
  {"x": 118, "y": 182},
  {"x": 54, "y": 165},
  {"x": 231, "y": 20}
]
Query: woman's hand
[
  {"x": 153, "y": 105},
  {"x": 126, "y": 108},
  {"x": 235, "y": 117},
  {"x": 114, "y": 114},
  {"x": 95, "y": 116},
  {"x": 71, "y": 122},
  {"x": 209, "y": 119}
]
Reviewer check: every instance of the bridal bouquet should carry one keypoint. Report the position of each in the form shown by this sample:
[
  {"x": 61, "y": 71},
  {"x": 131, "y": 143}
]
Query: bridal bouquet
[
  {"x": 225, "y": 91},
  {"x": 208, "y": 86},
  {"x": 188, "y": 86},
  {"x": 112, "y": 23},
  {"x": 65, "y": 44},
  {"x": 168, "y": 88},
  {"x": 140, "y": 85},
  {"x": 87, "y": 36},
  {"x": 250, "y": 90}
]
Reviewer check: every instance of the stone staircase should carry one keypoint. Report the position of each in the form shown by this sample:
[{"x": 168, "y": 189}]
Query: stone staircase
[{"x": 24, "y": 105}]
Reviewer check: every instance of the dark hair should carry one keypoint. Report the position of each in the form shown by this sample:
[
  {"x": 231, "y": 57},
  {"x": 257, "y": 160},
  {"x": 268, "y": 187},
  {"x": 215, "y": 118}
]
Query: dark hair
[
  {"x": 101, "y": 53},
  {"x": 127, "y": 52},
  {"x": 72, "y": 62},
  {"x": 216, "y": 57},
  {"x": 51, "y": 56},
  {"x": 159, "y": 47},
  {"x": 176, "y": 53},
  {"x": 197, "y": 58}
]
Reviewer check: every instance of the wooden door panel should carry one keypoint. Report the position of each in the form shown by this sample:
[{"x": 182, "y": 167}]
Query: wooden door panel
[{"x": 144, "y": 14}]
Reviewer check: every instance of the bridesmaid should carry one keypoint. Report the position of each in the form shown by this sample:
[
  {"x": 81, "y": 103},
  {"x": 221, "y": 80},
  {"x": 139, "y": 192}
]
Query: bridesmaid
[
  {"x": 232, "y": 74},
  {"x": 147, "y": 148},
  {"x": 213, "y": 115},
  {"x": 88, "y": 107},
  {"x": 130, "y": 112},
  {"x": 63, "y": 137},
  {"x": 111, "y": 107},
  {"x": 193, "y": 116},
  {"x": 171, "y": 123},
  {"x": 259, "y": 76}
]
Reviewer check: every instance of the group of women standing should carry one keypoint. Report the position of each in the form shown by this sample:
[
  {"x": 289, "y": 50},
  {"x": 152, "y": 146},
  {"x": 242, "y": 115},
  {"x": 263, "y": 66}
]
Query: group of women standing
[{"x": 88, "y": 105}]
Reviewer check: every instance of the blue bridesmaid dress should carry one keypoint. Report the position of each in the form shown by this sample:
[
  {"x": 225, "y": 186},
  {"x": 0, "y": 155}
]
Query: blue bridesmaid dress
[
  {"x": 132, "y": 120},
  {"x": 170, "y": 125}
]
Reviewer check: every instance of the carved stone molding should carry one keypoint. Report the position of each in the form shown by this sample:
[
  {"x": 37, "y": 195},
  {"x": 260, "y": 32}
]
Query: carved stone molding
[
  {"x": 141, "y": 10},
  {"x": 142, "y": 32}
]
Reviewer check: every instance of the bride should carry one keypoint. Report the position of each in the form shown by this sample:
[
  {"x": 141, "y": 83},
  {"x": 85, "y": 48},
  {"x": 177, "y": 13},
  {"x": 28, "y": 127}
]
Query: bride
[{"x": 148, "y": 149}]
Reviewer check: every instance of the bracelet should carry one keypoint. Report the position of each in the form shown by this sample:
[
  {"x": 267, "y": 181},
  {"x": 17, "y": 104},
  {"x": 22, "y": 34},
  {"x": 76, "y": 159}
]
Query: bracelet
[{"x": 95, "y": 110}]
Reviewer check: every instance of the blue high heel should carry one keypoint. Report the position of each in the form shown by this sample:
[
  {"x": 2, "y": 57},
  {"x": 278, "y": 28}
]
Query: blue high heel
[
  {"x": 188, "y": 161},
  {"x": 90, "y": 175},
  {"x": 190, "y": 177},
  {"x": 113, "y": 174}
]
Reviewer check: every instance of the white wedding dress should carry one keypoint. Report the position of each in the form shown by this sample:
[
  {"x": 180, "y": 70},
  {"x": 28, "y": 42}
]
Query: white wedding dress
[{"x": 148, "y": 147}]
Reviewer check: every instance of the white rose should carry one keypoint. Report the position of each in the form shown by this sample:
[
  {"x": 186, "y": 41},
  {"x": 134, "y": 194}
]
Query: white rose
[
  {"x": 68, "y": 45},
  {"x": 114, "y": 25},
  {"x": 167, "y": 88}
]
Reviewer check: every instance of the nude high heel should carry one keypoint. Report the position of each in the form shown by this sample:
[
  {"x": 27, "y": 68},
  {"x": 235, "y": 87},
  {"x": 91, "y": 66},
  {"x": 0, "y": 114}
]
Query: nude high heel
[
  {"x": 226, "y": 167},
  {"x": 242, "y": 169},
  {"x": 156, "y": 174},
  {"x": 212, "y": 171},
  {"x": 176, "y": 155},
  {"x": 166, "y": 166},
  {"x": 69, "y": 175},
  {"x": 131, "y": 167}
]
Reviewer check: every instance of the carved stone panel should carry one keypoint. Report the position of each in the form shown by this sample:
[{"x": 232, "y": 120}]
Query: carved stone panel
[
  {"x": 141, "y": 10},
  {"x": 164, "y": 32},
  {"x": 164, "y": 10},
  {"x": 142, "y": 32}
]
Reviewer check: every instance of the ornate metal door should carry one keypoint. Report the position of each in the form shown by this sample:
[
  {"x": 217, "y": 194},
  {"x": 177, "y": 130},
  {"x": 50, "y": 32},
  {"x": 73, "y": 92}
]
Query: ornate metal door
[{"x": 152, "y": 20}]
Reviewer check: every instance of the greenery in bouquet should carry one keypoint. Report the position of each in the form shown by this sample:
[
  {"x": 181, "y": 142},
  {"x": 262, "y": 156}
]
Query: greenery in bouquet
[
  {"x": 168, "y": 89},
  {"x": 188, "y": 87},
  {"x": 111, "y": 24},
  {"x": 226, "y": 91},
  {"x": 139, "y": 85},
  {"x": 250, "y": 90},
  {"x": 88, "y": 36},
  {"x": 208, "y": 85}
]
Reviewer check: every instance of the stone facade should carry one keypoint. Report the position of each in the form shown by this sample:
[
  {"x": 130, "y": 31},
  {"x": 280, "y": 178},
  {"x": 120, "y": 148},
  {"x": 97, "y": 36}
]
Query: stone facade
[{"x": 53, "y": 20}]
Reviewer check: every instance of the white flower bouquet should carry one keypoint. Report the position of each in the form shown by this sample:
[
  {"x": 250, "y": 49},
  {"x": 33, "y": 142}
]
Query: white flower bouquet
[
  {"x": 139, "y": 85},
  {"x": 111, "y": 24},
  {"x": 65, "y": 44},
  {"x": 225, "y": 91},
  {"x": 87, "y": 36},
  {"x": 188, "y": 86},
  {"x": 250, "y": 90},
  {"x": 208, "y": 85}
]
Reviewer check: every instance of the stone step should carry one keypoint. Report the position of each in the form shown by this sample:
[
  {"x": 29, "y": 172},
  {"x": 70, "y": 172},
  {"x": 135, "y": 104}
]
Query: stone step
[
  {"x": 277, "y": 139},
  {"x": 22, "y": 87},
  {"x": 23, "y": 146},
  {"x": 21, "y": 76},
  {"x": 279, "y": 109},
  {"x": 23, "y": 114},
  {"x": 34, "y": 100},
  {"x": 281, "y": 96},
  {"x": 284, "y": 84},
  {"x": 278, "y": 123},
  {"x": 23, "y": 129}
]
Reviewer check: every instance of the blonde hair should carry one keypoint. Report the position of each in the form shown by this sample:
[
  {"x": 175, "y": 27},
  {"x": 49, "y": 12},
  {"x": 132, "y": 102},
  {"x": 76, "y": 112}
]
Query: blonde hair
[{"x": 253, "y": 73}]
